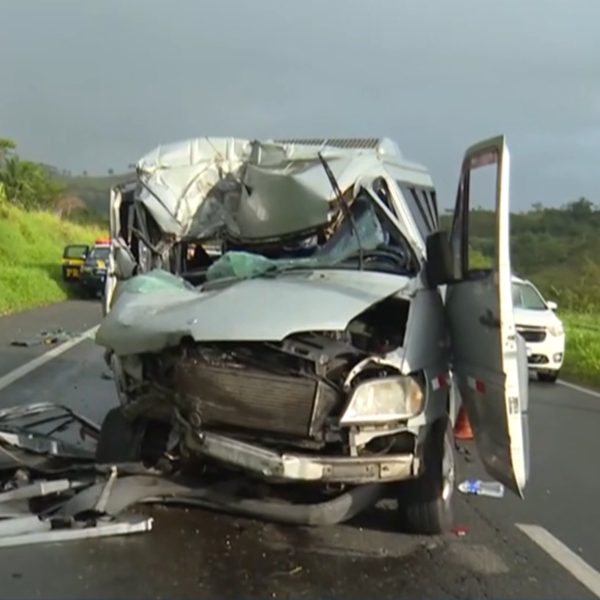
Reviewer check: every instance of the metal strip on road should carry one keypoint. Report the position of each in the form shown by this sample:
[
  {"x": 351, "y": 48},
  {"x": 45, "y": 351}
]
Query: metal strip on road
[
  {"x": 564, "y": 556},
  {"x": 23, "y": 370},
  {"x": 578, "y": 388}
]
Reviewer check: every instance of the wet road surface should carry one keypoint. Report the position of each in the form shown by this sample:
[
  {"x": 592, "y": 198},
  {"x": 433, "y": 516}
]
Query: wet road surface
[{"x": 196, "y": 553}]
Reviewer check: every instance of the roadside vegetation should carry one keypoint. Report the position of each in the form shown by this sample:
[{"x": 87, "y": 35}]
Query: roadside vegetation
[
  {"x": 34, "y": 228},
  {"x": 31, "y": 246},
  {"x": 582, "y": 356}
]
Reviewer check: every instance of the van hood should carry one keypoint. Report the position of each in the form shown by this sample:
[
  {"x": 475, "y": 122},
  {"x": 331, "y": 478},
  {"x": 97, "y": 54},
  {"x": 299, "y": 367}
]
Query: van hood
[{"x": 157, "y": 310}]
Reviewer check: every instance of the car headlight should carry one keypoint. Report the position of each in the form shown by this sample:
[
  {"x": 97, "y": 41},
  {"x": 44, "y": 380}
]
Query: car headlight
[
  {"x": 556, "y": 329},
  {"x": 384, "y": 399}
]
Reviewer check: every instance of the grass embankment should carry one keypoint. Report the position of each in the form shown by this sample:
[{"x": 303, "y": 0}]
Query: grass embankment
[
  {"x": 31, "y": 246},
  {"x": 582, "y": 354}
]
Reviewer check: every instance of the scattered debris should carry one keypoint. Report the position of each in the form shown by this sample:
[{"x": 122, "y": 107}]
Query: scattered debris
[
  {"x": 32, "y": 429},
  {"x": 459, "y": 530},
  {"x": 39, "y": 472},
  {"x": 464, "y": 452},
  {"x": 476, "y": 487},
  {"x": 53, "y": 489},
  {"x": 47, "y": 338},
  {"x": 38, "y": 531},
  {"x": 295, "y": 570}
]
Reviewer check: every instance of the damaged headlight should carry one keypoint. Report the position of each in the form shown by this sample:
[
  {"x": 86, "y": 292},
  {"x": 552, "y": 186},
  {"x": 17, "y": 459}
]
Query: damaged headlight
[{"x": 382, "y": 400}]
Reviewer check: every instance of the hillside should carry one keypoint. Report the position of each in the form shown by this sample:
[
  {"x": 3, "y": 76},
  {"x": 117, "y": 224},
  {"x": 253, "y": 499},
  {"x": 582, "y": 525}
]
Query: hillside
[
  {"x": 31, "y": 245},
  {"x": 93, "y": 190}
]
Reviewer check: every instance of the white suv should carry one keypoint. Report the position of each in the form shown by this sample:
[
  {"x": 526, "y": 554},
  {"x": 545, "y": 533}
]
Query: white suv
[{"x": 542, "y": 329}]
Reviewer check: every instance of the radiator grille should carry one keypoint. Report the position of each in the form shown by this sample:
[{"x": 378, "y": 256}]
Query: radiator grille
[
  {"x": 532, "y": 335},
  {"x": 247, "y": 398},
  {"x": 538, "y": 359}
]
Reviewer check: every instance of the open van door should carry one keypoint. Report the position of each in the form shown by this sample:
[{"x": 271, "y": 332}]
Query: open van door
[
  {"x": 489, "y": 359},
  {"x": 121, "y": 262}
]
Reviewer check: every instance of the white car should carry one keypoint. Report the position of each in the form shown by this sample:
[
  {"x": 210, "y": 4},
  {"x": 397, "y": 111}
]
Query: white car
[{"x": 543, "y": 331}]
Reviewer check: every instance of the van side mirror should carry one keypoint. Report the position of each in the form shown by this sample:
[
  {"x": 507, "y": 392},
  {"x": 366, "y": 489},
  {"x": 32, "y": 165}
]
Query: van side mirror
[
  {"x": 441, "y": 267},
  {"x": 552, "y": 305}
]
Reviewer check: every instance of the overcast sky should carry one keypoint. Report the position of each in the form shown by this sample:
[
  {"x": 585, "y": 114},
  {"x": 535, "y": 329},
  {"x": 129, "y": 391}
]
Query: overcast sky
[{"x": 95, "y": 84}]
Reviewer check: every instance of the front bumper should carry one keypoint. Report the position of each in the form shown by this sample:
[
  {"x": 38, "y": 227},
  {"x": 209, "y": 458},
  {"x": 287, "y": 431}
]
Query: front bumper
[
  {"x": 307, "y": 468},
  {"x": 547, "y": 355},
  {"x": 93, "y": 281}
]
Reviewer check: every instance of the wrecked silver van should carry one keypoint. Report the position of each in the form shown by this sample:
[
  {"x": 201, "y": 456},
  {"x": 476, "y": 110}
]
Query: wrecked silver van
[{"x": 290, "y": 311}]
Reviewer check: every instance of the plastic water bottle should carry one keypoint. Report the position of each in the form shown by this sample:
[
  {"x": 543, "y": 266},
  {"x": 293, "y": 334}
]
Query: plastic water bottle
[{"x": 482, "y": 488}]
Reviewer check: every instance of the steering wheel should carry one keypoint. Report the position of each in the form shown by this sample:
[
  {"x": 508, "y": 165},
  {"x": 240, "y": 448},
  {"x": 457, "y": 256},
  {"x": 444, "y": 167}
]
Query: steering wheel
[{"x": 384, "y": 256}]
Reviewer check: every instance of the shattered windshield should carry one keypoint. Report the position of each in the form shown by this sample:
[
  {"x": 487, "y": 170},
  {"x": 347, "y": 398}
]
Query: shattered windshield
[{"x": 368, "y": 235}]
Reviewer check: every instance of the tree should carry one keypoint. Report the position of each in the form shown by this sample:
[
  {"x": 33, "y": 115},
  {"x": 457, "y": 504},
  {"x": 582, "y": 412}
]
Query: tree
[
  {"x": 7, "y": 147},
  {"x": 26, "y": 183},
  {"x": 69, "y": 204},
  {"x": 581, "y": 209},
  {"x": 111, "y": 172}
]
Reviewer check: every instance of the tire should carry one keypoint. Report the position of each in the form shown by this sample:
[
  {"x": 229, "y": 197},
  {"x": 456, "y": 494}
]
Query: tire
[
  {"x": 123, "y": 441},
  {"x": 547, "y": 376},
  {"x": 120, "y": 440},
  {"x": 425, "y": 504}
]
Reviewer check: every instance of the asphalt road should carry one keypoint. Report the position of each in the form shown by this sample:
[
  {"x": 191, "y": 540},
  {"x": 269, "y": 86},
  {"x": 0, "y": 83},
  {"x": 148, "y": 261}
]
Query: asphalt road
[{"x": 195, "y": 553}]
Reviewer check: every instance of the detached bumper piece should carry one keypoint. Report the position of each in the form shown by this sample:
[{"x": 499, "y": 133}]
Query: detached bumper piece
[
  {"x": 23, "y": 531},
  {"x": 38, "y": 468},
  {"x": 52, "y": 490},
  {"x": 20, "y": 526}
]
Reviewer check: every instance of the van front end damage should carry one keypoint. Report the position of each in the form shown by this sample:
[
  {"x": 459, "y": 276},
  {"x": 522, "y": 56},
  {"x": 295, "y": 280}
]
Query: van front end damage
[
  {"x": 317, "y": 406},
  {"x": 273, "y": 313}
]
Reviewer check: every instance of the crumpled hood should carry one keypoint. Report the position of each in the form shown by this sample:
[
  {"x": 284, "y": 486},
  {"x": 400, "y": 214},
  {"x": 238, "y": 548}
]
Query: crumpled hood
[{"x": 156, "y": 310}]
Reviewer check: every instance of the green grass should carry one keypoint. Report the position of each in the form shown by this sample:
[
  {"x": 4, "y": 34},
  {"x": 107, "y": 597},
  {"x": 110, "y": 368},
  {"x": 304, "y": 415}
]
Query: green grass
[
  {"x": 582, "y": 353},
  {"x": 31, "y": 245}
]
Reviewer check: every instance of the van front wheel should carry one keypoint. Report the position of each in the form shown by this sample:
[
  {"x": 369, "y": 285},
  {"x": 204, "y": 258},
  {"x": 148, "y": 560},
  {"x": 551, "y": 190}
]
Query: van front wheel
[{"x": 425, "y": 504}]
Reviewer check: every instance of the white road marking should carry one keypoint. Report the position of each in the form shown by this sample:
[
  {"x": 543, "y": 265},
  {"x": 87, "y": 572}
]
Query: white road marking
[
  {"x": 579, "y": 388},
  {"x": 23, "y": 370},
  {"x": 573, "y": 563}
]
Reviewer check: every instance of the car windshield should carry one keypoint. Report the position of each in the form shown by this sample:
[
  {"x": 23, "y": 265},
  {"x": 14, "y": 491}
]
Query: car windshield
[
  {"x": 383, "y": 248},
  {"x": 75, "y": 251},
  {"x": 526, "y": 296},
  {"x": 99, "y": 254}
]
